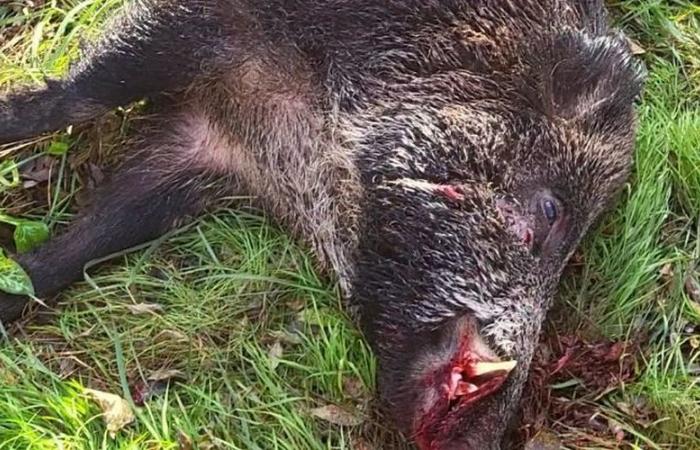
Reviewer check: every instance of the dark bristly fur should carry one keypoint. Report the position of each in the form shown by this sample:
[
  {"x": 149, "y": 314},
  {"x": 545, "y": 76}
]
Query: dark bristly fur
[{"x": 384, "y": 134}]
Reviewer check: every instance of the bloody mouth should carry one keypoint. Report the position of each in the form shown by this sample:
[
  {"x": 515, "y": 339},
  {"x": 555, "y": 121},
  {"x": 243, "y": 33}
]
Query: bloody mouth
[
  {"x": 472, "y": 375},
  {"x": 474, "y": 380}
]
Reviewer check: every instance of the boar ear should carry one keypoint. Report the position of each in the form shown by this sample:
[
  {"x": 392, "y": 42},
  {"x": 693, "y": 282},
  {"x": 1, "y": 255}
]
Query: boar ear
[
  {"x": 590, "y": 78},
  {"x": 583, "y": 77}
]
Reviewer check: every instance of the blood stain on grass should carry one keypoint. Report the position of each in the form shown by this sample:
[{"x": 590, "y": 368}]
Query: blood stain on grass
[{"x": 568, "y": 377}]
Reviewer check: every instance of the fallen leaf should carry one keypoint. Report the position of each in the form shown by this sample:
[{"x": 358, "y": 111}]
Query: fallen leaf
[
  {"x": 171, "y": 335},
  {"x": 287, "y": 337},
  {"x": 275, "y": 354},
  {"x": 297, "y": 304},
  {"x": 337, "y": 416},
  {"x": 354, "y": 388},
  {"x": 166, "y": 374},
  {"x": 692, "y": 288},
  {"x": 666, "y": 272},
  {"x": 207, "y": 441},
  {"x": 38, "y": 170},
  {"x": 207, "y": 444},
  {"x": 7, "y": 378},
  {"x": 695, "y": 342},
  {"x": 13, "y": 278},
  {"x": 67, "y": 366},
  {"x": 635, "y": 47},
  {"x": 140, "y": 309},
  {"x": 116, "y": 411},
  {"x": 184, "y": 441}
]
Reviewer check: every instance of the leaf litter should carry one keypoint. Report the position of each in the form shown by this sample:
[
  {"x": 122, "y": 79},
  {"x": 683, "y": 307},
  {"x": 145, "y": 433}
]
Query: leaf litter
[
  {"x": 337, "y": 415},
  {"x": 116, "y": 411}
]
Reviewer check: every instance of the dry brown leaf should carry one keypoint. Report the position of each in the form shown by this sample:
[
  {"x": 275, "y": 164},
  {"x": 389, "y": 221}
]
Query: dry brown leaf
[
  {"x": 275, "y": 353},
  {"x": 287, "y": 337},
  {"x": 140, "y": 309},
  {"x": 184, "y": 441},
  {"x": 7, "y": 378},
  {"x": 116, "y": 411},
  {"x": 635, "y": 47},
  {"x": 694, "y": 342},
  {"x": 171, "y": 335},
  {"x": 666, "y": 272},
  {"x": 353, "y": 387},
  {"x": 337, "y": 416},
  {"x": 67, "y": 366},
  {"x": 297, "y": 304},
  {"x": 692, "y": 288},
  {"x": 38, "y": 170},
  {"x": 207, "y": 441},
  {"x": 166, "y": 374}
]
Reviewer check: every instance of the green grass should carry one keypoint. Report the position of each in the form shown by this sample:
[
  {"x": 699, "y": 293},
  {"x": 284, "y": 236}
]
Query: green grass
[
  {"x": 230, "y": 290},
  {"x": 227, "y": 292}
]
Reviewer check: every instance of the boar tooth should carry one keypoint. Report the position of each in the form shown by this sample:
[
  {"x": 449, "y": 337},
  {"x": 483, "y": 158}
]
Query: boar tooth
[
  {"x": 471, "y": 388},
  {"x": 465, "y": 389},
  {"x": 483, "y": 367}
]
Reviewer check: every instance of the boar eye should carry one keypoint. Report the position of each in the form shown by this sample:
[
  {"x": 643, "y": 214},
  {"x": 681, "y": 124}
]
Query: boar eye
[{"x": 549, "y": 209}]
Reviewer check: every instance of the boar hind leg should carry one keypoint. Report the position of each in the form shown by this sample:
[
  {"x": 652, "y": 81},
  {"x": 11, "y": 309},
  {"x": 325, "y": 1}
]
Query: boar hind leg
[
  {"x": 153, "y": 46},
  {"x": 155, "y": 190}
]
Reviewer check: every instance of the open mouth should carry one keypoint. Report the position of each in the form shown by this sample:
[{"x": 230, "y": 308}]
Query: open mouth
[
  {"x": 473, "y": 373},
  {"x": 474, "y": 380}
]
